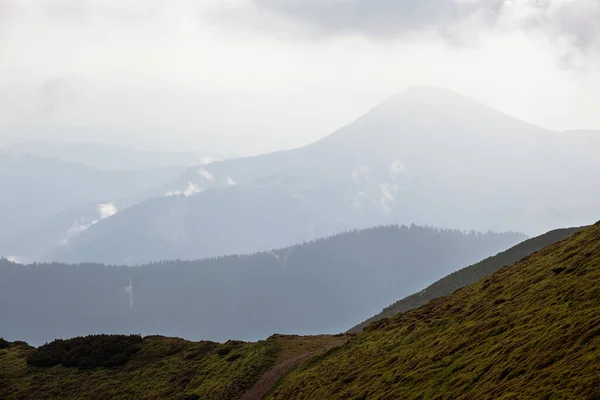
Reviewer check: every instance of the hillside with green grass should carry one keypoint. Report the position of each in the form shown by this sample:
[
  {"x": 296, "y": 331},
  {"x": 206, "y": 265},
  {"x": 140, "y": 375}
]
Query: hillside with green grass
[
  {"x": 154, "y": 367},
  {"x": 530, "y": 330},
  {"x": 469, "y": 275}
]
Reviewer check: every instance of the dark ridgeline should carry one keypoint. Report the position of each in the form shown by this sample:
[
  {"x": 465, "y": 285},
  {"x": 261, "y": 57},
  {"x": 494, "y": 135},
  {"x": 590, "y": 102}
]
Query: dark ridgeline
[{"x": 317, "y": 287}]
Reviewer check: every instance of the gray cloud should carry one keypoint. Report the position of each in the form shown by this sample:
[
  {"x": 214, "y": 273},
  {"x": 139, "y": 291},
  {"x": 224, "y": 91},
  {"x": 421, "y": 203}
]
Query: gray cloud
[
  {"x": 381, "y": 18},
  {"x": 24, "y": 98},
  {"x": 576, "y": 22}
]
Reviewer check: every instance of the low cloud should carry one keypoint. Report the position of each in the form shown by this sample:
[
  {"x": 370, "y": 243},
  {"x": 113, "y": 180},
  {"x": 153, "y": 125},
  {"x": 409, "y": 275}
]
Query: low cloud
[
  {"x": 107, "y": 210},
  {"x": 388, "y": 196},
  {"x": 15, "y": 259},
  {"x": 76, "y": 229},
  {"x": 82, "y": 224},
  {"x": 190, "y": 190}
]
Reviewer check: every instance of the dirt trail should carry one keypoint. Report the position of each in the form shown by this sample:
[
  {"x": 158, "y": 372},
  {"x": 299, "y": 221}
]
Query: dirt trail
[
  {"x": 282, "y": 366},
  {"x": 269, "y": 379}
]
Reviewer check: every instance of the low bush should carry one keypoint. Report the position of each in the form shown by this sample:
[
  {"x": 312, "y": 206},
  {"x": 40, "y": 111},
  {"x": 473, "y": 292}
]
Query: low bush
[{"x": 86, "y": 352}]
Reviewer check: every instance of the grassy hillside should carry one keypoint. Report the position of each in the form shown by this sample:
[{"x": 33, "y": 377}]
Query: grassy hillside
[
  {"x": 162, "y": 368},
  {"x": 469, "y": 275},
  {"x": 531, "y": 330}
]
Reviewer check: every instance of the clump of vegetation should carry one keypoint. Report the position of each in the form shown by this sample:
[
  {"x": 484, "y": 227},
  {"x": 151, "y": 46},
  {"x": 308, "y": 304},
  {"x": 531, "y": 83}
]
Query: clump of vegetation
[
  {"x": 86, "y": 352},
  {"x": 4, "y": 344},
  {"x": 525, "y": 331},
  {"x": 163, "y": 368}
]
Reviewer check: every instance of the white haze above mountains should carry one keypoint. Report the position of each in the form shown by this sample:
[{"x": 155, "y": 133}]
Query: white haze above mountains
[
  {"x": 53, "y": 191},
  {"x": 252, "y": 76},
  {"x": 425, "y": 156}
]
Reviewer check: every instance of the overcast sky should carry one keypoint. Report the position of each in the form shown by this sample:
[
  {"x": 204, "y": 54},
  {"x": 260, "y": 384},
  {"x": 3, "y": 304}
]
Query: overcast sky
[{"x": 249, "y": 76}]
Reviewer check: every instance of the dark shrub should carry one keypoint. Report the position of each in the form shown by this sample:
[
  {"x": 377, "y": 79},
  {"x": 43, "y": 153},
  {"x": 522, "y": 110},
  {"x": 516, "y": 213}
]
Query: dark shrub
[
  {"x": 228, "y": 346},
  {"x": 223, "y": 351},
  {"x": 233, "y": 357},
  {"x": 86, "y": 352},
  {"x": 3, "y": 343}
]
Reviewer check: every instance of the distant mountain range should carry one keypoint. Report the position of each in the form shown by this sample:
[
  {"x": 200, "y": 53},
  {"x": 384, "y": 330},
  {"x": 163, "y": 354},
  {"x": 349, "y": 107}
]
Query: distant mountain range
[
  {"x": 426, "y": 155},
  {"x": 44, "y": 141},
  {"x": 322, "y": 286},
  {"x": 37, "y": 189}
]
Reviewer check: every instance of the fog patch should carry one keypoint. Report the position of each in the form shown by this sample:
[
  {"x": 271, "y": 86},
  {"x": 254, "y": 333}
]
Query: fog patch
[
  {"x": 388, "y": 195},
  {"x": 129, "y": 290},
  {"x": 190, "y": 190},
  {"x": 397, "y": 167},
  {"x": 107, "y": 210},
  {"x": 205, "y": 174},
  {"x": 80, "y": 225}
]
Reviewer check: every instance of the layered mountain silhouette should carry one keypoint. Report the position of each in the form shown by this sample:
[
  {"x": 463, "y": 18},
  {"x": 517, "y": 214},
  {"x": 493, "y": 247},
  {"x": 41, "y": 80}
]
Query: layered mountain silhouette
[
  {"x": 426, "y": 156},
  {"x": 323, "y": 286},
  {"x": 38, "y": 189},
  {"x": 96, "y": 155},
  {"x": 529, "y": 330}
]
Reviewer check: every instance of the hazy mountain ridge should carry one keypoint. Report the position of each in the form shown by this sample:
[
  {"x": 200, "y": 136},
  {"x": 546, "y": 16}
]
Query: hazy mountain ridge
[
  {"x": 35, "y": 189},
  {"x": 425, "y": 156},
  {"x": 34, "y": 141},
  {"x": 317, "y": 287}
]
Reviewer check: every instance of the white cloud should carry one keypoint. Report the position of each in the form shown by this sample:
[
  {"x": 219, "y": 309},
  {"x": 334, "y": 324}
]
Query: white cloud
[
  {"x": 129, "y": 290},
  {"x": 76, "y": 229},
  {"x": 190, "y": 190},
  {"x": 397, "y": 167},
  {"x": 107, "y": 210},
  {"x": 388, "y": 195},
  {"x": 188, "y": 68},
  {"x": 205, "y": 174},
  {"x": 82, "y": 224}
]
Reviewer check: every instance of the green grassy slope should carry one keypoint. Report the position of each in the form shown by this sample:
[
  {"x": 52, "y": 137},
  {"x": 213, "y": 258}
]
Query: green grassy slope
[
  {"x": 164, "y": 368},
  {"x": 469, "y": 275},
  {"x": 531, "y": 330}
]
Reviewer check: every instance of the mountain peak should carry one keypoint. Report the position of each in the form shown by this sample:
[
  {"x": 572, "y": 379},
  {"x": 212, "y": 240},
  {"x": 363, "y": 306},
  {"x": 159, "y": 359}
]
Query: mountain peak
[{"x": 434, "y": 96}]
